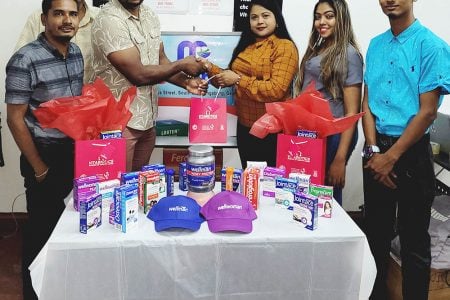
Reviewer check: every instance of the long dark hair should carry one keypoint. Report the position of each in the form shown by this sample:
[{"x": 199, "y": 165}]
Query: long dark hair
[
  {"x": 248, "y": 37},
  {"x": 334, "y": 62}
]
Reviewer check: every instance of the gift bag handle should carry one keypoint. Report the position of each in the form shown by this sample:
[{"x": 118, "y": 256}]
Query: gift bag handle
[{"x": 218, "y": 90}]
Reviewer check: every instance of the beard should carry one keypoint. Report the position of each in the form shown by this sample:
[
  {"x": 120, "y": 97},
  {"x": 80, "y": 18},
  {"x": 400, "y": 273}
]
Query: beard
[
  {"x": 128, "y": 5},
  {"x": 64, "y": 38}
]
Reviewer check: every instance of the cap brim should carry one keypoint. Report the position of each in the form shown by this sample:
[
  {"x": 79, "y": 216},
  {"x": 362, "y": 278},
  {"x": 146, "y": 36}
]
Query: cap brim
[
  {"x": 241, "y": 225},
  {"x": 161, "y": 225}
]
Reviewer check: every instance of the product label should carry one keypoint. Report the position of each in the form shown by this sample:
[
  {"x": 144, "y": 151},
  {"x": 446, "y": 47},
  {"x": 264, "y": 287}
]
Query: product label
[{"x": 200, "y": 176}]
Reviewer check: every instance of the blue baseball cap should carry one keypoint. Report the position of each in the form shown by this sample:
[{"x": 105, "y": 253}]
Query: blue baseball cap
[{"x": 176, "y": 212}]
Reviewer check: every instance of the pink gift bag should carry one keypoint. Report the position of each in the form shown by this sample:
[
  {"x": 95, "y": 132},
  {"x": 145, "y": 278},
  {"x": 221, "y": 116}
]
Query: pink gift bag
[
  {"x": 302, "y": 155},
  {"x": 104, "y": 158},
  {"x": 208, "y": 120}
]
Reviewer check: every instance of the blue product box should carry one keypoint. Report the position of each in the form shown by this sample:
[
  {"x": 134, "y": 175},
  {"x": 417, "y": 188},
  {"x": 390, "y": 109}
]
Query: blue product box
[
  {"x": 125, "y": 212},
  {"x": 90, "y": 213}
]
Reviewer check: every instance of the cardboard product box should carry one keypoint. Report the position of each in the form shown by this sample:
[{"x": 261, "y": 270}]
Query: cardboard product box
[
  {"x": 439, "y": 279},
  {"x": 172, "y": 157},
  {"x": 171, "y": 128}
]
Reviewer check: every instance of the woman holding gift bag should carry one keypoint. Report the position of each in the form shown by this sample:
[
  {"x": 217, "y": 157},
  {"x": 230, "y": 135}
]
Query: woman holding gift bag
[
  {"x": 261, "y": 69},
  {"x": 334, "y": 62}
]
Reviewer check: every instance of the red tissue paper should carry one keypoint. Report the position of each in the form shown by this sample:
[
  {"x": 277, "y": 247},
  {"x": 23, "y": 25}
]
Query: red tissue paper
[
  {"x": 84, "y": 117},
  {"x": 307, "y": 111}
]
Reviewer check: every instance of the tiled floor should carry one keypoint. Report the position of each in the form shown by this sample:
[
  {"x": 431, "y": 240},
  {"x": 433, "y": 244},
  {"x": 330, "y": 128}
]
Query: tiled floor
[{"x": 10, "y": 258}]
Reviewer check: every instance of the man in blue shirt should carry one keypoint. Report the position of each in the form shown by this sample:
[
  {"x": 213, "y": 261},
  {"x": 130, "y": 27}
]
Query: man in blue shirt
[
  {"x": 50, "y": 67},
  {"x": 407, "y": 74}
]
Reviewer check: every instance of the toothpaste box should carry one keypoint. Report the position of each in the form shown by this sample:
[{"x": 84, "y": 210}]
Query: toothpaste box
[
  {"x": 303, "y": 180},
  {"x": 250, "y": 185},
  {"x": 106, "y": 189},
  {"x": 284, "y": 192},
  {"x": 305, "y": 210},
  {"x": 126, "y": 207},
  {"x": 161, "y": 169},
  {"x": 325, "y": 195},
  {"x": 268, "y": 181},
  {"x": 231, "y": 179},
  {"x": 84, "y": 186},
  {"x": 129, "y": 178},
  {"x": 90, "y": 213}
]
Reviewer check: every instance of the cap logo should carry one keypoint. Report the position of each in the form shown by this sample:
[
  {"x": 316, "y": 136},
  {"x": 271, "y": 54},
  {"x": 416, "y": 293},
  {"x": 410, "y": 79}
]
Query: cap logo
[
  {"x": 178, "y": 208},
  {"x": 226, "y": 206}
]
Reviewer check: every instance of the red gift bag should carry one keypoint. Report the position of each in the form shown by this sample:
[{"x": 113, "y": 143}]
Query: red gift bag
[
  {"x": 104, "y": 158},
  {"x": 208, "y": 120},
  {"x": 302, "y": 155}
]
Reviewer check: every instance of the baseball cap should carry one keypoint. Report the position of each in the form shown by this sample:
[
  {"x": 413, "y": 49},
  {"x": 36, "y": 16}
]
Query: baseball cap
[
  {"x": 176, "y": 212},
  {"x": 229, "y": 211}
]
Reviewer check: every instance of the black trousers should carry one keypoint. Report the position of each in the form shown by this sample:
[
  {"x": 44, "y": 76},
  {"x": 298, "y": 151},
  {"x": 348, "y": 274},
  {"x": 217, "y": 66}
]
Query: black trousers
[
  {"x": 408, "y": 208},
  {"x": 45, "y": 200},
  {"x": 252, "y": 148}
]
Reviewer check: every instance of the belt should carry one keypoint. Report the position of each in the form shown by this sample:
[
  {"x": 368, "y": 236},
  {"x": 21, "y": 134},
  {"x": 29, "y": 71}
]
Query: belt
[{"x": 386, "y": 140}]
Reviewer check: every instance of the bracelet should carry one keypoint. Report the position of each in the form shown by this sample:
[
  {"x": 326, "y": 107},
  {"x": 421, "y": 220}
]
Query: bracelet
[
  {"x": 43, "y": 173},
  {"x": 239, "y": 79}
]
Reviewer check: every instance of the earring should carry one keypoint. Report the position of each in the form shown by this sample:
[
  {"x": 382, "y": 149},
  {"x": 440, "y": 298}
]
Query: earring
[{"x": 276, "y": 26}]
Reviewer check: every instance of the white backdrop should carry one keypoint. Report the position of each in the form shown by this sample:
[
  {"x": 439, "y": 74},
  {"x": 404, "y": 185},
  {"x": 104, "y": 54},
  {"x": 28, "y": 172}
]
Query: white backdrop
[{"x": 367, "y": 18}]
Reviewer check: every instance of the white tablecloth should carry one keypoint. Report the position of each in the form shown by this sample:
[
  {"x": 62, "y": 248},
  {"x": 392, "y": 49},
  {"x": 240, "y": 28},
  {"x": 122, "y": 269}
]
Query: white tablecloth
[{"x": 278, "y": 260}]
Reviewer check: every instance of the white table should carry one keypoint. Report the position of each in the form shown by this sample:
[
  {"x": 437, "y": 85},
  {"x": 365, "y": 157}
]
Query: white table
[{"x": 278, "y": 260}]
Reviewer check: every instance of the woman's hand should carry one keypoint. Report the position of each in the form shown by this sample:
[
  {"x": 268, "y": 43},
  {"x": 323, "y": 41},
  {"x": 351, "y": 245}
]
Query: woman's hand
[
  {"x": 336, "y": 173},
  {"x": 227, "y": 78}
]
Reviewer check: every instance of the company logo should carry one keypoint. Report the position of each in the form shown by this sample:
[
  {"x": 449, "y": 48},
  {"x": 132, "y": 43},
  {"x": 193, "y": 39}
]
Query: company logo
[
  {"x": 297, "y": 156},
  {"x": 179, "y": 208},
  {"x": 197, "y": 48},
  {"x": 101, "y": 160},
  {"x": 251, "y": 183},
  {"x": 227, "y": 206},
  {"x": 208, "y": 115}
]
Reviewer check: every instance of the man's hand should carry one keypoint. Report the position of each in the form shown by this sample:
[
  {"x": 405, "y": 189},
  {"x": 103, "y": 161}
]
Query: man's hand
[
  {"x": 381, "y": 166},
  {"x": 197, "y": 86},
  {"x": 191, "y": 66}
]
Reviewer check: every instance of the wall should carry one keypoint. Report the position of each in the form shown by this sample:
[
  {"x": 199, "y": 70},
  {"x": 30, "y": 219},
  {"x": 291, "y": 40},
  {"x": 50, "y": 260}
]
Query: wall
[{"x": 367, "y": 19}]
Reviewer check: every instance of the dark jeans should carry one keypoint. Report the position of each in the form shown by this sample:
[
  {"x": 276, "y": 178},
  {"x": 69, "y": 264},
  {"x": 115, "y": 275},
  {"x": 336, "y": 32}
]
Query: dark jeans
[
  {"x": 409, "y": 204},
  {"x": 252, "y": 148},
  {"x": 45, "y": 201},
  {"x": 332, "y": 146}
]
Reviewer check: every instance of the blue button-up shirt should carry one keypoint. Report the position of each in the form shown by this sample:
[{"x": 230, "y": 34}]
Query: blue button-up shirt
[
  {"x": 399, "y": 69},
  {"x": 37, "y": 73}
]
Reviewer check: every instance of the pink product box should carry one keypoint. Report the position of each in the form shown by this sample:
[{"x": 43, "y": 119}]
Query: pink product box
[
  {"x": 268, "y": 182},
  {"x": 83, "y": 186}
]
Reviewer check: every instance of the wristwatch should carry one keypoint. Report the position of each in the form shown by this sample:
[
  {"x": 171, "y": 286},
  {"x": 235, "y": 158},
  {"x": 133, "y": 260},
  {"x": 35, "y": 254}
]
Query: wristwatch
[{"x": 369, "y": 151}]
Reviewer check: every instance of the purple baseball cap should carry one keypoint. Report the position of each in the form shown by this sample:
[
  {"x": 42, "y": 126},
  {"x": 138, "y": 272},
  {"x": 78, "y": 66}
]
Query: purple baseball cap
[
  {"x": 229, "y": 211},
  {"x": 176, "y": 212}
]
